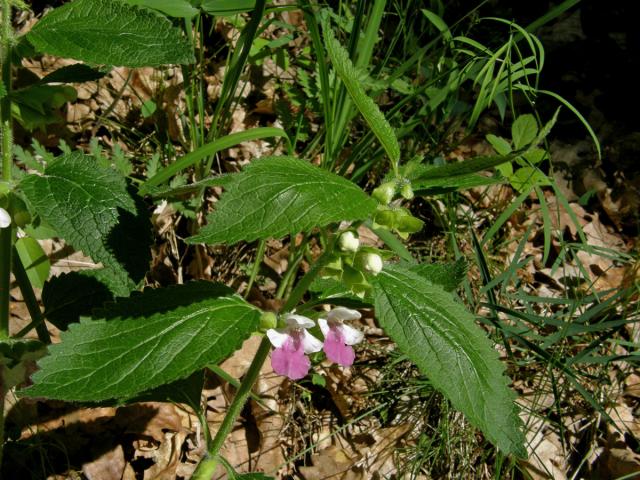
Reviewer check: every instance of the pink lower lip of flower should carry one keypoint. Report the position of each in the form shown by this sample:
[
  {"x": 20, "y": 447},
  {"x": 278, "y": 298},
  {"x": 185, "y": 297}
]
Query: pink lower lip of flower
[
  {"x": 289, "y": 360},
  {"x": 337, "y": 350}
]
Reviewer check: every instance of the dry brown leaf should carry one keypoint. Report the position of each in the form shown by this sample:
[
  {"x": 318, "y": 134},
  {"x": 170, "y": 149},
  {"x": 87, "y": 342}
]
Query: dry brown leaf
[
  {"x": 333, "y": 463},
  {"x": 108, "y": 466},
  {"x": 547, "y": 459},
  {"x": 150, "y": 419}
]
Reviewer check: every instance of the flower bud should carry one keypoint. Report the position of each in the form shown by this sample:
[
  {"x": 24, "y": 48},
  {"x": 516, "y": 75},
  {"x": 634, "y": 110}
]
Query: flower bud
[
  {"x": 348, "y": 242},
  {"x": 385, "y": 192},
  {"x": 370, "y": 262},
  {"x": 5, "y": 219}
]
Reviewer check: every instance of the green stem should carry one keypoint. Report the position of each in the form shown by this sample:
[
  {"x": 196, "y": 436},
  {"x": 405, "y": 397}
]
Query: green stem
[
  {"x": 262, "y": 247},
  {"x": 304, "y": 283},
  {"x": 207, "y": 465},
  {"x": 6, "y": 234},
  {"x": 6, "y": 131},
  {"x": 37, "y": 319},
  {"x": 6, "y": 241}
]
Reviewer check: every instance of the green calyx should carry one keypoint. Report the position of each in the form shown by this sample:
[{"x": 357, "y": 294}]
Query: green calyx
[
  {"x": 399, "y": 220},
  {"x": 268, "y": 320}
]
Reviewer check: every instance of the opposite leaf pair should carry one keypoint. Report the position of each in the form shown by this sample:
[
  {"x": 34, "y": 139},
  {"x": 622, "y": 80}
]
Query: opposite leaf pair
[{"x": 294, "y": 342}]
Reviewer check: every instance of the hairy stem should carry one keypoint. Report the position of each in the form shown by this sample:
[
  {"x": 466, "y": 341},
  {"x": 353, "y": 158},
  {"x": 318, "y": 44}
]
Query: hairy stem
[
  {"x": 262, "y": 247},
  {"x": 6, "y": 234},
  {"x": 207, "y": 465}
]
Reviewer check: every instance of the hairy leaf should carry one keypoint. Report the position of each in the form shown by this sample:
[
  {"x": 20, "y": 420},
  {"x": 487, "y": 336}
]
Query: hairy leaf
[
  {"x": 124, "y": 356},
  {"x": 69, "y": 296},
  {"x": 275, "y": 196},
  {"x": 440, "y": 337},
  {"x": 75, "y": 73},
  {"x": 110, "y": 32},
  {"x": 367, "y": 107},
  {"x": 92, "y": 209},
  {"x": 447, "y": 275},
  {"x": 172, "y": 8}
]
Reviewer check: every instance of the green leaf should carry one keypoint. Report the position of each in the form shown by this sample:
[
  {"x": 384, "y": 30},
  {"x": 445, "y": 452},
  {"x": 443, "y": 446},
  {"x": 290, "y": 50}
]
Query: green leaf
[
  {"x": 210, "y": 149},
  {"x": 35, "y": 261},
  {"x": 17, "y": 356},
  {"x": 224, "y": 8},
  {"x": 367, "y": 107},
  {"x": 148, "y": 108},
  {"x": 535, "y": 155},
  {"x": 172, "y": 8},
  {"x": 126, "y": 355},
  {"x": 524, "y": 130},
  {"x": 186, "y": 390},
  {"x": 440, "y": 336},
  {"x": 110, "y": 32},
  {"x": 69, "y": 296},
  {"x": 93, "y": 210},
  {"x": 447, "y": 275},
  {"x": 76, "y": 73},
  {"x": 436, "y": 186},
  {"x": 525, "y": 178},
  {"x": 475, "y": 165},
  {"x": 499, "y": 144},
  {"x": 37, "y": 106},
  {"x": 439, "y": 23},
  {"x": 275, "y": 196}
]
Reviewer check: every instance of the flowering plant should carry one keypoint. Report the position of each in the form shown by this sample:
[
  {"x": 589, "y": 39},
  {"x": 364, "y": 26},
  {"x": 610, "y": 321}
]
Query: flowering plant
[{"x": 133, "y": 340}]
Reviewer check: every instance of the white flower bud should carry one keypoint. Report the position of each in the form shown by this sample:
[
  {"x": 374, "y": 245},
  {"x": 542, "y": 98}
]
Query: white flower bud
[
  {"x": 372, "y": 263},
  {"x": 5, "y": 219},
  {"x": 348, "y": 242}
]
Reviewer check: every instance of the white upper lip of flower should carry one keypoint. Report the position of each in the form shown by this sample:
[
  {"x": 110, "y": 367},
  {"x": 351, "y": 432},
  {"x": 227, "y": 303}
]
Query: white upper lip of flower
[
  {"x": 336, "y": 318},
  {"x": 296, "y": 325},
  {"x": 341, "y": 314},
  {"x": 5, "y": 219}
]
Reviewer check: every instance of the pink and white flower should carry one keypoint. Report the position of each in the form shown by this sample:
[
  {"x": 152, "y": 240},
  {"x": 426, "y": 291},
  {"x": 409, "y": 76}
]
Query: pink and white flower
[
  {"x": 293, "y": 343},
  {"x": 339, "y": 337}
]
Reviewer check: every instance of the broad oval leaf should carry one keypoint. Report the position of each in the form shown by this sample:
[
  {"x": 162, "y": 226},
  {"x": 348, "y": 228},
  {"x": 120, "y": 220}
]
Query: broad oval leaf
[
  {"x": 92, "y": 209},
  {"x": 124, "y": 356},
  {"x": 110, "y": 32},
  {"x": 524, "y": 130},
  {"x": 69, "y": 296},
  {"x": 439, "y": 335},
  {"x": 275, "y": 196}
]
